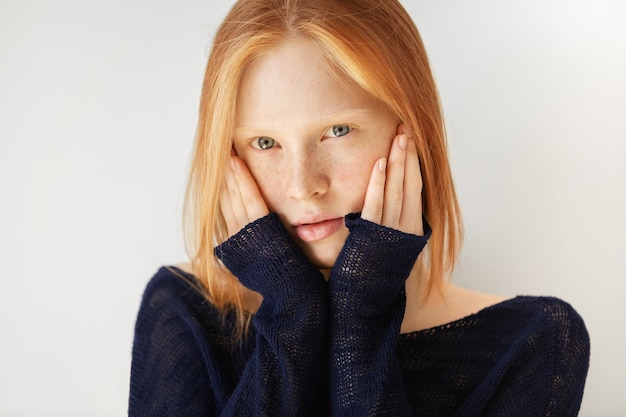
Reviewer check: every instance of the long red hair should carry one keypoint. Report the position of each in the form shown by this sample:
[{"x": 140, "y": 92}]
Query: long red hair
[{"x": 372, "y": 42}]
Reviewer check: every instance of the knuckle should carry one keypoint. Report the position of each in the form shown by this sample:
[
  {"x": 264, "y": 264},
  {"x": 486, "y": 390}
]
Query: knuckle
[
  {"x": 397, "y": 195},
  {"x": 415, "y": 183}
]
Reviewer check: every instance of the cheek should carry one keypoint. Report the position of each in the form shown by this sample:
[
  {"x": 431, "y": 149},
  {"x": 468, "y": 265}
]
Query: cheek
[
  {"x": 353, "y": 175},
  {"x": 357, "y": 169},
  {"x": 269, "y": 180}
]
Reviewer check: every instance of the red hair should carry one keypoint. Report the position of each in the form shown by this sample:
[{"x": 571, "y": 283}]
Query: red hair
[{"x": 372, "y": 42}]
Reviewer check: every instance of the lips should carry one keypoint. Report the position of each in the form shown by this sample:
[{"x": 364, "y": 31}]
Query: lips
[{"x": 310, "y": 232}]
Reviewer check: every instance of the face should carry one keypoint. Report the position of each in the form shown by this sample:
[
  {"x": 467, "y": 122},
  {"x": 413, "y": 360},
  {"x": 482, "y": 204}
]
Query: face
[{"x": 310, "y": 141}]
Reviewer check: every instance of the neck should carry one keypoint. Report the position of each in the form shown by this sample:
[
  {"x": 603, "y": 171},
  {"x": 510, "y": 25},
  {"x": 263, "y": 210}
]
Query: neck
[{"x": 423, "y": 304}]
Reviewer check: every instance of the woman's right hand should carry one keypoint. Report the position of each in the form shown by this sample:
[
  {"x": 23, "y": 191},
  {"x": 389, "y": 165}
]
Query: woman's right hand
[
  {"x": 290, "y": 322},
  {"x": 240, "y": 199},
  {"x": 258, "y": 244}
]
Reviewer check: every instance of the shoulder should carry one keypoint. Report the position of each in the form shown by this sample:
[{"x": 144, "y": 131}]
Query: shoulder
[
  {"x": 548, "y": 337},
  {"x": 557, "y": 318},
  {"x": 556, "y": 345},
  {"x": 171, "y": 284},
  {"x": 174, "y": 306},
  {"x": 170, "y": 277},
  {"x": 175, "y": 296},
  {"x": 538, "y": 314},
  {"x": 548, "y": 312},
  {"x": 176, "y": 334},
  {"x": 444, "y": 306},
  {"x": 551, "y": 328}
]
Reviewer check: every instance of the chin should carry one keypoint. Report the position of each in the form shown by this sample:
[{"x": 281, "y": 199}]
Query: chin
[
  {"x": 323, "y": 253},
  {"x": 323, "y": 257},
  {"x": 322, "y": 262}
]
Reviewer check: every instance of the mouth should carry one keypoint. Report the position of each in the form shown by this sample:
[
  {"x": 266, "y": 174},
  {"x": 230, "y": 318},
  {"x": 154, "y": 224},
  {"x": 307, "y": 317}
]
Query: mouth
[{"x": 311, "y": 232}]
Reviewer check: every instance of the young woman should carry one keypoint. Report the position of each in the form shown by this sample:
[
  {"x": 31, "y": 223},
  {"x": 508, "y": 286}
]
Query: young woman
[{"x": 323, "y": 226}]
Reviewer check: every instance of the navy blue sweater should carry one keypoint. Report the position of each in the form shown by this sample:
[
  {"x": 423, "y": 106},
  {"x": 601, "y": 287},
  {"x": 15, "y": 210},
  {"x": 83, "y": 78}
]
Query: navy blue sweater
[{"x": 317, "y": 349}]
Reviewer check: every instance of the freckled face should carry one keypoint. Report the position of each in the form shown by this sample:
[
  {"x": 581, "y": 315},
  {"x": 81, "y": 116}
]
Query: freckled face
[{"x": 310, "y": 141}]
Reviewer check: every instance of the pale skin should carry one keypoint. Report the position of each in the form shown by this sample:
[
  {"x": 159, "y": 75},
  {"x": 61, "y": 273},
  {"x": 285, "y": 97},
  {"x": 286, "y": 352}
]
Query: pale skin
[{"x": 313, "y": 148}]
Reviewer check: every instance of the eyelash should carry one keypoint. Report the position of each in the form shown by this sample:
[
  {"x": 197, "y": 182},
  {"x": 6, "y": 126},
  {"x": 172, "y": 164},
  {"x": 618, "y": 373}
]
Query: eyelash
[{"x": 330, "y": 133}]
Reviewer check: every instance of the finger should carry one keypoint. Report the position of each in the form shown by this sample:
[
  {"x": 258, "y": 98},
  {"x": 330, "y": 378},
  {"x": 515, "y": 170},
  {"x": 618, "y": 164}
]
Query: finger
[
  {"x": 394, "y": 186},
  {"x": 411, "y": 217},
  {"x": 375, "y": 194},
  {"x": 231, "y": 202},
  {"x": 251, "y": 197},
  {"x": 232, "y": 226}
]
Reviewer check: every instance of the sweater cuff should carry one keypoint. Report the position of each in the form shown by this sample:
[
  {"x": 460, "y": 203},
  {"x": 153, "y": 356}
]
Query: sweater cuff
[
  {"x": 354, "y": 220},
  {"x": 376, "y": 260},
  {"x": 265, "y": 259}
]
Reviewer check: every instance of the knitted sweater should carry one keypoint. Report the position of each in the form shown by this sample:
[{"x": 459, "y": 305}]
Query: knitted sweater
[{"x": 317, "y": 349}]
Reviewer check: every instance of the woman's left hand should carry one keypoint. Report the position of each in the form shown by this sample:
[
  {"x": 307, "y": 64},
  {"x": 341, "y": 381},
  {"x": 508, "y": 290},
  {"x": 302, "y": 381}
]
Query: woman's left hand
[{"x": 394, "y": 192}]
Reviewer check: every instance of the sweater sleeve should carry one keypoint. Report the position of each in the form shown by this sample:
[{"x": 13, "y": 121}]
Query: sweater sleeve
[
  {"x": 571, "y": 360},
  {"x": 283, "y": 374},
  {"x": 367, "y": 303},
  {"x": 177, "y": 371}
]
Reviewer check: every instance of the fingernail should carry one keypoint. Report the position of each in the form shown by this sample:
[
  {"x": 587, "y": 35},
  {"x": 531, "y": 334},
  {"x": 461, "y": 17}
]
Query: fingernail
[
  {"x": 233, "y": 166},
  {"x": 382, "y": 164},
  {"x": 402, "y": 142}
]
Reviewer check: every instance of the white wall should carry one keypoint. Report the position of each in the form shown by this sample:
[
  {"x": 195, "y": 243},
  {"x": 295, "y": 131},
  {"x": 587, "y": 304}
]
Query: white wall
[{"x": 97, "y": 114}]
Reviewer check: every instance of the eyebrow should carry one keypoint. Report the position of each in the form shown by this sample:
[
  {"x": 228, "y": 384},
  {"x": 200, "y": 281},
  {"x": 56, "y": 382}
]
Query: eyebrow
[
  {"x": 347, "y": 114},
  {"x": 328, "y": 119}
]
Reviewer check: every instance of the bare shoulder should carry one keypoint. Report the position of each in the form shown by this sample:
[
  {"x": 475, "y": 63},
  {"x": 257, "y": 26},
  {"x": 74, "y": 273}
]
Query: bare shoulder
[
  {"x": 442, "y": 307},
  {"x": 466, "y": 302}
]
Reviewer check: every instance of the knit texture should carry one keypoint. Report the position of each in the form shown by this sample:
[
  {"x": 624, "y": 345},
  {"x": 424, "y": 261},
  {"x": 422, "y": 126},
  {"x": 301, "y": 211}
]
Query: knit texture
[
  {"x": 317, "y": 349},
  {"x": 367, "y": 302}
]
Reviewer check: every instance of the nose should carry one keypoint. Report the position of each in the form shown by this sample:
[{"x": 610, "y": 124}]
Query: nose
[{"x": 308, "y": 175}]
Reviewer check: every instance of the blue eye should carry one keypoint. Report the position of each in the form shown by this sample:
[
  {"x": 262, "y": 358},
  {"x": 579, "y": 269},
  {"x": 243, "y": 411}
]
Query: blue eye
[
  {"x": 263, "y": 143},
  {"x": 338, "y": 131}
]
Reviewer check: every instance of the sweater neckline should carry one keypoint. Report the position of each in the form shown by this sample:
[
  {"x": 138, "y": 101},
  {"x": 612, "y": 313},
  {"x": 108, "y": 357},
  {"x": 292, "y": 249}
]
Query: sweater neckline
[{"x": 461, "y": 322}]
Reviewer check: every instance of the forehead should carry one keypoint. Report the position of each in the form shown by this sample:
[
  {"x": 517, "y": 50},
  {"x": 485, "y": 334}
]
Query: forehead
[{"x": 295, "y": 81}]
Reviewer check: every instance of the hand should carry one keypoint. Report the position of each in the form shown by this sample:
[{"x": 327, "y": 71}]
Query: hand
[
  {"x": 394, "y": 193},
  {"x": 240, "y": 198}
]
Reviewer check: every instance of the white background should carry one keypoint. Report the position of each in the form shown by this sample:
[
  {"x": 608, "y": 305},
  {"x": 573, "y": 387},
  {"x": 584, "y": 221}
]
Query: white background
[{"x": 98, "y": 104}]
